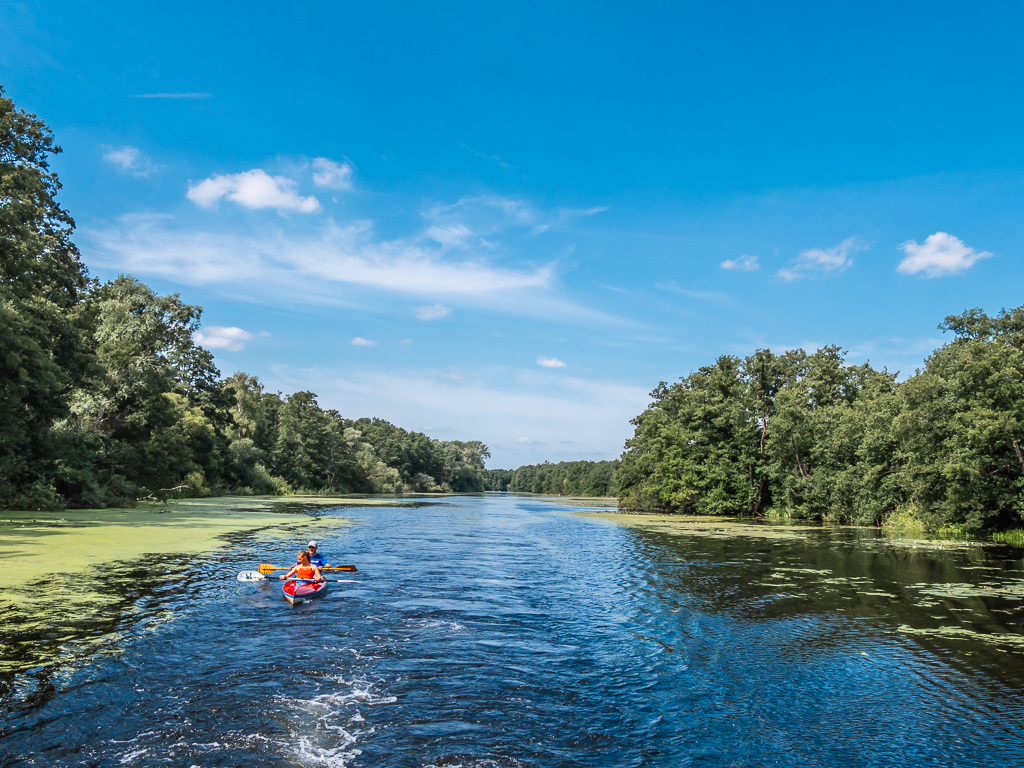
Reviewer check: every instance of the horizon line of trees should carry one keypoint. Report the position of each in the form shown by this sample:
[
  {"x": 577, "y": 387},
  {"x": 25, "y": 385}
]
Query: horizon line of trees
[
  {"x": 105, "y": 397},
  {"x": 566, "y": 478}
]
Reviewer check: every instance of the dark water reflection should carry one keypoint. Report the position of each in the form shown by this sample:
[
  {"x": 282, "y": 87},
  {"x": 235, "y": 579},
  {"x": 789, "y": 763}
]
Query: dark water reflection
[{"x": 504, "y": 632}]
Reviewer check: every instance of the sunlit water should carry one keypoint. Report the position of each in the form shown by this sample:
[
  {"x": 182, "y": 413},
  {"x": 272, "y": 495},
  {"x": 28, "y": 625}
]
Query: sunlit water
[{"x": 504, "y": 631}]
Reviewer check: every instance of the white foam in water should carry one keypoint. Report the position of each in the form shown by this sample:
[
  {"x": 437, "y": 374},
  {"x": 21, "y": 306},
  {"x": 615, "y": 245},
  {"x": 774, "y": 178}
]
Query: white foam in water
[
  {"x": 130, "y": 756},
  {"x": 454, "y": 626},
  {"x": 330, "y": 758},
  {"x": 331, "y": 743}
]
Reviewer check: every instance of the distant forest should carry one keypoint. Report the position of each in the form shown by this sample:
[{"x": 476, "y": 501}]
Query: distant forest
[
  {"x": 105, "y": 398},
  {"x": 567, "y": 478}
]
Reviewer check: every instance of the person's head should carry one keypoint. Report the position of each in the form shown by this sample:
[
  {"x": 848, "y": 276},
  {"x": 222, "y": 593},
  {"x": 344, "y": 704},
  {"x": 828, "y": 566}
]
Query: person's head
[
  {"x": 312, "y": 548},
  {"x": 304, "y": 556}
]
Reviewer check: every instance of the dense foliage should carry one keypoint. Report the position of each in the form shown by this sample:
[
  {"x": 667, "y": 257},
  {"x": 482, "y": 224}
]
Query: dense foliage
[
  {"x": 105, "y": 397},
  {"x": 567, "y": 478},
  {"x": 810, "y": 436}
]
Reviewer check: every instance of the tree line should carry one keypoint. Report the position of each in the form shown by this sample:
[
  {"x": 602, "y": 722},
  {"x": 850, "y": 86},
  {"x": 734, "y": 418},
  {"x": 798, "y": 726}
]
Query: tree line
[
  {"x": 106, "y": 398},
  {"x": 811, "y": 436},
  {"x": 566, "y": 478}
]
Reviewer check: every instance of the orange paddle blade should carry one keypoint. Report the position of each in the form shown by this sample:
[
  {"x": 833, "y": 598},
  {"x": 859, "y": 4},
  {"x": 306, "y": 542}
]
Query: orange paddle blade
[{"x": 268, "y": 568}]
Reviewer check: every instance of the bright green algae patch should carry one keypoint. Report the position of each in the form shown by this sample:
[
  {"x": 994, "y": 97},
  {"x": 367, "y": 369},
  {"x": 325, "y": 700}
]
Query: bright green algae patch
[
  {"x": 34, "y": 545},
  {"x": 689, "y": 525}
]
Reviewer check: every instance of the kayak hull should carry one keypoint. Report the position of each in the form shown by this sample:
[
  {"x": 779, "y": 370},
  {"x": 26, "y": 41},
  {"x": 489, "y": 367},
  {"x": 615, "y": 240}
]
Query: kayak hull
[{"x": 299, "y": 592}]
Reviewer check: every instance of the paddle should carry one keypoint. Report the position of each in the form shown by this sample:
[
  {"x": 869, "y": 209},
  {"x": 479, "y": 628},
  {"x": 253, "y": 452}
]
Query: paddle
[
  {"x": 268, "y": 568},
  {"x": 257, "y": 576}
]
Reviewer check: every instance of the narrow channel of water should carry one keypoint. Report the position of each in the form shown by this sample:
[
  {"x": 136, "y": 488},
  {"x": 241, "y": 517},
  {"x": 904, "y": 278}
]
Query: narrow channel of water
[{"x": 505, "y": 631}]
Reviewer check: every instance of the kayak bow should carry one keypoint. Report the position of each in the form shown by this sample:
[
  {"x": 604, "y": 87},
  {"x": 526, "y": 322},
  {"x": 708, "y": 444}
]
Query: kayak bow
[{"x": 299, "y": 590}]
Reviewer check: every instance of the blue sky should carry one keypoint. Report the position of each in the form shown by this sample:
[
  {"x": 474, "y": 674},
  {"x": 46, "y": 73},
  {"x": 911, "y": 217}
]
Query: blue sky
[{"x": 510, "y": 222}]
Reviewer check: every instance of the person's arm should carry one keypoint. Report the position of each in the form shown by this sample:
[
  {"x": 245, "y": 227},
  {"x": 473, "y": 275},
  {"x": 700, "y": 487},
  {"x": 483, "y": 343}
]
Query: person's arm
[
  {"x": 317, "y": 576},
  {"x": 294, "y": 568}
]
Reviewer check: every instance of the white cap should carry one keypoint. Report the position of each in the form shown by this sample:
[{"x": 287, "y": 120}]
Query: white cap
[{"x": 312, "y": 544}]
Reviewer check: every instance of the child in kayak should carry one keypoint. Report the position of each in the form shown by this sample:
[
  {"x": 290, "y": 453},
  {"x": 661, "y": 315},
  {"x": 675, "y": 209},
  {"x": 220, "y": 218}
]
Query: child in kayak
[{"x": 304, "y": 569}]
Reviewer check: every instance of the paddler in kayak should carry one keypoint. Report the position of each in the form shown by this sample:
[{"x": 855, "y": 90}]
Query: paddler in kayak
[
  {"x": 316, "y": 559},
  {"x": 304, "y": 569}
]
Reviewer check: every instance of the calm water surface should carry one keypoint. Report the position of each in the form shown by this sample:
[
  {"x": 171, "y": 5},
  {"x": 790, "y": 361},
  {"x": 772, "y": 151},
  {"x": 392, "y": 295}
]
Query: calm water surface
[{"x": 503, "y": 631}]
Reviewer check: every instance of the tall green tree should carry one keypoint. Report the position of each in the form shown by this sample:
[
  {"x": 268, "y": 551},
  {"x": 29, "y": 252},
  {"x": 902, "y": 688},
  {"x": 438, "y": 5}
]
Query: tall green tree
[
  {"x": 962, "y": 424},
  {"x": 41, "y": 280},
  {"x": 137, "y": 424}
]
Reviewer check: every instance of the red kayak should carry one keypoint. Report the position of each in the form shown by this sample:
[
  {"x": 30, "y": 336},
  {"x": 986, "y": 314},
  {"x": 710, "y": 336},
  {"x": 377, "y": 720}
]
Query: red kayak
[{"x": 298, "y": 590}]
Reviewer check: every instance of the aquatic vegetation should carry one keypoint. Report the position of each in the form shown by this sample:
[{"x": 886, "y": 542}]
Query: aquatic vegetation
[
  {"x": 906, "y": 521},
  {"x": 693, "y": 525},
  {"x": 1011, "y": 640},
  {"x": 35, "y": 545},
  {"x": 1014, "y": 538}
]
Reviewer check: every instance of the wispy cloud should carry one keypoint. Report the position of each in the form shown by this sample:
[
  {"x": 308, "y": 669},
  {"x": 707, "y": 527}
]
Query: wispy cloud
[
  {"x": 252, "y": 189},
  {"x": 131, "y": 161},
  {"x": 550, "y": 362},
  {"x": 359, "y": 341},
  {"x": 187, "y": 95},
  {"x": 492, "y": 158},
  {"x": 229, "y": 338},
  {"x": 433, "y": 312},
  {"x": 716, "y": 296},
  {"x": 450, "y": 235},
  {"x": 816, "y": 262},
  {"x": 446, "y": 263},
  {"x": 575, "y": 213},
  {"x": 941, "y": 254},
  {"x": 150, "y": 244},
  {"x": 745, "y": 263},
  {"x": 327, "y": 173},
  {"x": 485, "y": 214}
]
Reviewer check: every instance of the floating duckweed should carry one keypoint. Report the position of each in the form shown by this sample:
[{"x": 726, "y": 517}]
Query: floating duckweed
[
  {"x": 1013, "y": 591},
  {"x": 713, "y": 527},
  {"x": 962, "y": 633}
]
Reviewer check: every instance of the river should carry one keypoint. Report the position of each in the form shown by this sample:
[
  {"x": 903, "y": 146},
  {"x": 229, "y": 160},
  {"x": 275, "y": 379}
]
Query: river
[{"x": 513, "y": 631}]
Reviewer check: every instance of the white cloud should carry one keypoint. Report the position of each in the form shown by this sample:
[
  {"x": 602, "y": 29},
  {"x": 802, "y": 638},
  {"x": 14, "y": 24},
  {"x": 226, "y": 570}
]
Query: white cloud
[
  {"x": 450, "y": 236},
  {"x": 327, "y": 173},
  {"x": 131, "y": 161},
  {"x": 221, "y": 337},
  {"x": 941, "y": 254},
  {"x": 433, "y": 312},
  {"x": 744, "y": 262},
  {"x": 550, "y": 362},
  {"x": 359, "y": 341},
  {"x": 816, "y": 262},
  {"x": 252, "y": 189},
  {"x": 524, "y": 440}
]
